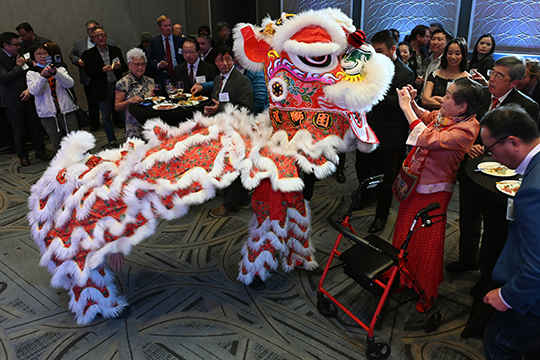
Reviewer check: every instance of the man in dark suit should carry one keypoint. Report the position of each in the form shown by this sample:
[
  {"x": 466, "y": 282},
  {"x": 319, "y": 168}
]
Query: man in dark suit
[
  {"x": 513, "y": 332},
  {"x": 230, "y": 86},
  {"x": 79, "y": 47},
  {"x": 206, "y": 52},
  {"x": 17, "y": 101},
  {"x": 193, "y": 70},
  {"x": 28, "y": 38},
  {"x": 391, "y": 128},
  {"x": 529, "y": 85},
  {"x": 165, "y": 51},
  {"x": 104, "y": 65},
  {"x": 505, "y": 76}
]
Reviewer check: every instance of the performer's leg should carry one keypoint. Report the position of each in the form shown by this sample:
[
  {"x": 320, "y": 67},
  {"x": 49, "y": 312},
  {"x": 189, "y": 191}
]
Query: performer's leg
[
  {"x": 300, "y": 251},
  {"x": 98, "y": 296},
  {"x": 266, "y": 235}
]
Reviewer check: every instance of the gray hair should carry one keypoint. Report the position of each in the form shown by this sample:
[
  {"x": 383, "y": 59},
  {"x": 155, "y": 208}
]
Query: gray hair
[
  {"x": 135, "y": 53},
  {"x": 516, "y": 66}
]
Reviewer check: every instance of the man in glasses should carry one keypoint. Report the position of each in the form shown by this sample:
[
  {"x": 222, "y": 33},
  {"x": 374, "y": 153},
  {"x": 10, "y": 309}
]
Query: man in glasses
[
  {"x": 28, "y": 38},
  {"x": 501, "y": 90},
  {"x": 75, "y": 56},
  {"x": 230, "y": 86},
  {"x": 17, "y": 101},
  {"x": 104, "y": 64},
  {"x": 513, "y": 333}
]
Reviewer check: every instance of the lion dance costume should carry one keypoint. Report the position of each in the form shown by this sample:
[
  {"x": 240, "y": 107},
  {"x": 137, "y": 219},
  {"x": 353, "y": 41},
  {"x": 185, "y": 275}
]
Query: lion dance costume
[{"x": 321, "y": 79}]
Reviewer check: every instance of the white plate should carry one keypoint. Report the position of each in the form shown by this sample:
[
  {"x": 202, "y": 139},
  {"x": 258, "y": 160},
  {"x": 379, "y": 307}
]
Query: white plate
[
  {"x": 494, "y": 168},
  {"x": 509, "y": 187},
  {"x": 203, "y": 98},
  {"x": 155, "y": 98},
  {"x": 158, "y": 106},
  {"x": 179, "y": 96},
  {"x": 193, "y": 103}
]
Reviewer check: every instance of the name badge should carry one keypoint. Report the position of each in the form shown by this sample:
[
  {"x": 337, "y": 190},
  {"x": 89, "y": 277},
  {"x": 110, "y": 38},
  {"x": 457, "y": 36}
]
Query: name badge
[
  {"x": 510, "y": 209},
  {"x": 200, "y": 79},
  {"x": 224, "y": 97}
]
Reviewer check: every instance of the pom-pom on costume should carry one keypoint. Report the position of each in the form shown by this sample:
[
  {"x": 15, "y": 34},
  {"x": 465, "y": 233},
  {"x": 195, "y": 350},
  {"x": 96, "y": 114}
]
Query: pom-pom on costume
[{"x": 321, "y": 80}]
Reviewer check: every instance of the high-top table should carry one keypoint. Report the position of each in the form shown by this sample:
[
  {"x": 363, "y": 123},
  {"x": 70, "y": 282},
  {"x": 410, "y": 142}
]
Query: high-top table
[
  {"x": 495, "y": 232},
  {"x": 171, "y": 117}
]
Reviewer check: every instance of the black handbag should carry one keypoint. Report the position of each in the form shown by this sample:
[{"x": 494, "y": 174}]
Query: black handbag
[{"x": 82, "y": 117}]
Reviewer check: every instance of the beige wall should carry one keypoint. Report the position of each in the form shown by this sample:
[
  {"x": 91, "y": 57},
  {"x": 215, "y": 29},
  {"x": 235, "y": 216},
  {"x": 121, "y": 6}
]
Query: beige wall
[{"x": 64, "y": 21}]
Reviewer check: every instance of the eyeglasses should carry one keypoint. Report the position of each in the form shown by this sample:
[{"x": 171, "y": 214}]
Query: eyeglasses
[
  {"x": 44, "y": 54},
  {"x": 227, "y": 60},
  {"x": 138, "y": 64},
  {"x": 99, "y": 36},
  {"x": 488, "y": 151},
  {"x": 16, "y": 45},
  {"x": 497, "y": 75},
  {"x": 190, "y": 52}
]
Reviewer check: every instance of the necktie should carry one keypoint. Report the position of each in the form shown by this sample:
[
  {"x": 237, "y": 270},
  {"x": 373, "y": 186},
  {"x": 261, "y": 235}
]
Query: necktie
[
  {"x": 495, "y": 103},
  {"x": 221, "y": 82},
  {"x": 191, "y": 75},
  {"x": 169, "y": 58}
]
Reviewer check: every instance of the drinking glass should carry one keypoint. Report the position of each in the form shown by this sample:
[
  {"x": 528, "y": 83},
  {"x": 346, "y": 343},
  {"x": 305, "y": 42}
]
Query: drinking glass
[
  {"x": 170, "y": 88},
  {"x": 421, "y": 71},
  {"x": 157, "y": 90},
  {"x": 180, "y": 87}
]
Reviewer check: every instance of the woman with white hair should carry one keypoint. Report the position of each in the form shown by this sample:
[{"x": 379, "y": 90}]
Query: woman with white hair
[{"x": 132, "y": 89}]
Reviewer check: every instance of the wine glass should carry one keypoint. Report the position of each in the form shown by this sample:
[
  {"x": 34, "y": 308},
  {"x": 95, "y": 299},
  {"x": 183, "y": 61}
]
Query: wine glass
[
  {"x": 180, "y": 87},
  {"x": 170, "y": 88},
  {"x": 157, "y": 89},
  {"x": 421, "y": 71}
]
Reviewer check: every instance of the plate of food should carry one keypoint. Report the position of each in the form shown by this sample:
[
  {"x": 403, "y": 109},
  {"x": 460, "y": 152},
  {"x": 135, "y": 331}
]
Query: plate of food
[
  {"x": 495, "y": 169},
  {"x": 509, "y": 187},
  {"x": 186, "y": 103},
  {"x": 164, "y": 106},
  {"x": 155, "y": 98},
  {"x": 179, "y": 96},
  {"x": 198, "y": 98}
]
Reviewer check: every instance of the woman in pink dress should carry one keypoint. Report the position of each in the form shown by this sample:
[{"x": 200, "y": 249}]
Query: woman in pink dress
[{"x": 440, "y": 138}]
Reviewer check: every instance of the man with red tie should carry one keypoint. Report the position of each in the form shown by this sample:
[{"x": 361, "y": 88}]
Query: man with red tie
[
  {"x": 193, "y": 70},
  {"x": 474, "y": 208},
  {"x": 165, "y": 51}
]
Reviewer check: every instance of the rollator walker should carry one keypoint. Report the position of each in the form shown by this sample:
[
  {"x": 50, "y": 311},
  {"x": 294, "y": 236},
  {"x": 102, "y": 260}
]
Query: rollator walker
[{"x": 366, "y": 261}]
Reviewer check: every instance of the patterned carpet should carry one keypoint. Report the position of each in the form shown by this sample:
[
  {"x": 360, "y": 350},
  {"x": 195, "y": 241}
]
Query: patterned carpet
[{"x": 187, "y": 304}]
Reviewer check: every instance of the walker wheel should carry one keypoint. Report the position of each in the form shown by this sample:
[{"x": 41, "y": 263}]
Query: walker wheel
[
  {"x": 379, "y": 350},
  {"x": 326, "y": 307},
  {"x": 433, "y": 321}
]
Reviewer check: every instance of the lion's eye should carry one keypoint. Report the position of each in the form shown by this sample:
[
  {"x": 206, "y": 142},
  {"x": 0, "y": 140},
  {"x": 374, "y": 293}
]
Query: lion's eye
[
  {"x": 316, "y": 61},
  {"x": 315, "y": 64}
]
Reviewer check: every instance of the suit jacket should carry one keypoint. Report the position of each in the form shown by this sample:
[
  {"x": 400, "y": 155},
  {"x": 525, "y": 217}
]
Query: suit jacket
[
  {"x": 94, "y": 69},
  {"x": 181, "y": 72},
  {"x": 12, "y": 82},
  {"x": 386, "y": 118},
  {"x": 79, "y": 47},
  {"x": 518, "y": 267},
  {"x": 239, "y": 89},
  {"x": 515, "y": 97},
  {"x": 25, "y": 48},
  {"x": 211, "y": 57},
  {"x": 536, "y": 94},
  {"x": 157, "y": 52}
]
